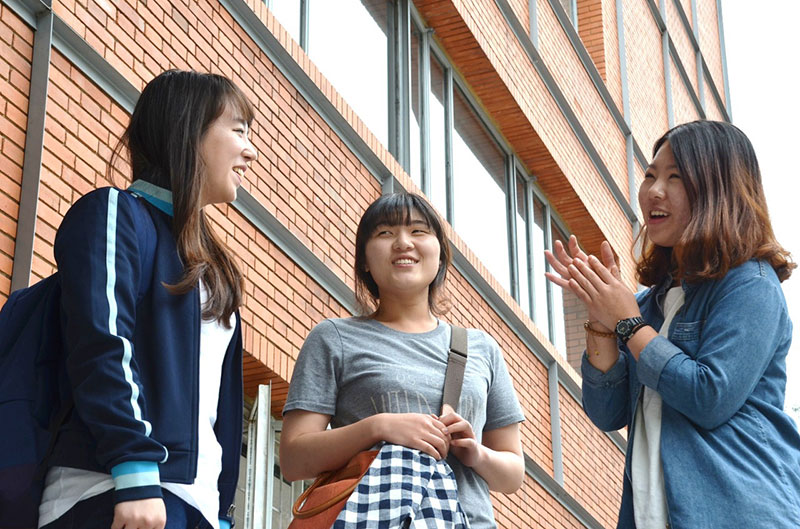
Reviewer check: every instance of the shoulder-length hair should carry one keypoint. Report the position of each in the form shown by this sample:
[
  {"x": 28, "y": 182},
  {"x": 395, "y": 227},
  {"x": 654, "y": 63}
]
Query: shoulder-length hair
[
  {"x": 163, "y": 141},
  {"x": 729, "y": 219},
  {"x": 396, "y": 209}
]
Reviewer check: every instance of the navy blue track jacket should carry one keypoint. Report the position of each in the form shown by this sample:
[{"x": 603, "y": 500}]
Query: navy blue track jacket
[{"x": 133, "y": 364}]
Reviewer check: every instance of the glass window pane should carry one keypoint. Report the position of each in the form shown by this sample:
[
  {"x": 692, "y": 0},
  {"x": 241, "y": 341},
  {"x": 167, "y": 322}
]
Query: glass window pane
[
  {"x": 479, "y": 190},
  {"x": 538, "y": 235},
  {"x": 415, "y": 120},
  {"x": 569, "y": 313},
  {"x": 559, "y": 338},
  {"x": 436, "y": 137},
  {"x": 344, "y": 36},
  {"x": 522, "y": 246},
  {"x": 288, "y": 14}
]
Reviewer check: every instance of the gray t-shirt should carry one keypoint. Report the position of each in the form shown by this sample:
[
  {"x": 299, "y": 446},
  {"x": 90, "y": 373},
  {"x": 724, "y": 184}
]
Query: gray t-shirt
[{"x": 353, "y": 368}]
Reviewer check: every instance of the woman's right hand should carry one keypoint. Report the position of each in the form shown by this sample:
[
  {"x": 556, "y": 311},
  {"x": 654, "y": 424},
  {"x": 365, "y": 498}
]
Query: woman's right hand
[
  {"x": 415, "y": 430},
  {"x": 560, "y": 260}
]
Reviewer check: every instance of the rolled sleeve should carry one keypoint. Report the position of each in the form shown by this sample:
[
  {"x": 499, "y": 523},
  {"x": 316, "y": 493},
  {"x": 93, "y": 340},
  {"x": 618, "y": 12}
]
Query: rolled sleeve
[{"x": 652, "y": 360}]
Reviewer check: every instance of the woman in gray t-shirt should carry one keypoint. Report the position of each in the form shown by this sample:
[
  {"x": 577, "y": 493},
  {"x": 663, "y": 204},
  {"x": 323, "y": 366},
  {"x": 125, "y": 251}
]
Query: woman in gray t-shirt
[{"x": 379, "y": 377}]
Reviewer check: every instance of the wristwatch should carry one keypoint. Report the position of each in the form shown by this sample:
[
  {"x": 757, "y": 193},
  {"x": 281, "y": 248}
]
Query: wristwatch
[{"x": 626, "y": 328}]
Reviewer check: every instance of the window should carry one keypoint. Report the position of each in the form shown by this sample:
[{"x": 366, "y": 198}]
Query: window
[
  {"x": 288, "y": 14},
  {"x": 437, "y": 136},
  {"x": 479, "y": 197},
  {"x": 523, "y": 248},
  {"x": 541, "y": 306},
  {"x": 571, "y": 8},
  {"x": 348, "y": 41}
]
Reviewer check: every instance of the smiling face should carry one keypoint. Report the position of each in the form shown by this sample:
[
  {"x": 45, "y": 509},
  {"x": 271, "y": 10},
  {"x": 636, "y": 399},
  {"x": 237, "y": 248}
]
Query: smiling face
[
  {"x": 403, "y": 259},
  {"x": 226, "y": 153},
  {"x": 663, "y": 200}
]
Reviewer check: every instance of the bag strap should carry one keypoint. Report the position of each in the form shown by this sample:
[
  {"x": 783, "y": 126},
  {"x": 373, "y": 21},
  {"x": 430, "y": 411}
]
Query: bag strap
[{"x": 456, "y": 363}]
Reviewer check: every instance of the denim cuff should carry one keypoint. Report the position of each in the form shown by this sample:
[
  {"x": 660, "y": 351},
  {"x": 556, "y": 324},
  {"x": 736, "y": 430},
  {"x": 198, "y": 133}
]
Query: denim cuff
[
  {"x": 594, "y": 377},
  {"x": 652, "y": 360}
]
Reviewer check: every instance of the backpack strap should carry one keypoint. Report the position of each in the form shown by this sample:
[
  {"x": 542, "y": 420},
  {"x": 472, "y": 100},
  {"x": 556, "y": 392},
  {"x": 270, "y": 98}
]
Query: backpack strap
[{"x": 456, "y": 363}]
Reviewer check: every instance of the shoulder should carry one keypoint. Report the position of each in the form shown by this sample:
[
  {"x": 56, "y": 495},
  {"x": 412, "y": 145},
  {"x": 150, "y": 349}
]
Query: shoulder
[
  {"x": 482, "y": 344},
  {"x": 754, "y": 275},
  {"x": 104, "y": 204}
]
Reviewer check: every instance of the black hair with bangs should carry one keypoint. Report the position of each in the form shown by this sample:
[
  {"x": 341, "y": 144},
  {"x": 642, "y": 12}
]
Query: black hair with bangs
[{"x": 396, "y": 209}]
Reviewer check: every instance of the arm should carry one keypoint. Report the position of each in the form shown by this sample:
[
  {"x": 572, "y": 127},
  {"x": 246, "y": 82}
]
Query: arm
[
  {"x": 307, "y": 448},
  {"x": 98, "y": 258},
  {"x": 604, "y": 368},
  {"x": 497, "y": 459},
  {"x": 738, "y": 340}
]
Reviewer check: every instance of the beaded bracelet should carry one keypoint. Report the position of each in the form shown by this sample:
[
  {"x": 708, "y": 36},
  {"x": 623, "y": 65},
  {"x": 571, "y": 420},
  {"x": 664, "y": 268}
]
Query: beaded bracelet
[{"x": 588, "y": 326}]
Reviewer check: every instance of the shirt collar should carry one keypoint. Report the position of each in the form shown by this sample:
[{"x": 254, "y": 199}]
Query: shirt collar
[{"x": 157, "y": 196}]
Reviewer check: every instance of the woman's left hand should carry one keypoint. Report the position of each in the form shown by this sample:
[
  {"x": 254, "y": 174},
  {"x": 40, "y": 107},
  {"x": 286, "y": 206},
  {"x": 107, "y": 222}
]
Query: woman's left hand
[
  {"x": 604, "y": 294},
  {"x": 463, "y": 443}
]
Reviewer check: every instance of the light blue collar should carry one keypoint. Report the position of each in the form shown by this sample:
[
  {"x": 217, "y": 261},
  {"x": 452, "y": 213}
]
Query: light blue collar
[{"x": 157, "y": 196}]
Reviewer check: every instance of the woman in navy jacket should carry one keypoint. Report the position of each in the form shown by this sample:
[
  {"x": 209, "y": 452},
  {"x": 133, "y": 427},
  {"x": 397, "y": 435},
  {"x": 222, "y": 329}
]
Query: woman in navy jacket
[
  {"x": 150, "y": 300},
  {"x": 695, "y": 366}
]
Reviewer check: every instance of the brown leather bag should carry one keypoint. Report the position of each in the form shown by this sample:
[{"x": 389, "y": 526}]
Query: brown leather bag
[{"x": 320, "y": 504}]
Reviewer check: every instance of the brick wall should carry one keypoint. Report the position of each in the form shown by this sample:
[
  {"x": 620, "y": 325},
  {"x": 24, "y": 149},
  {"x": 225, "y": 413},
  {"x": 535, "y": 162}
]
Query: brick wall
[{"x": 16, "y": 53}]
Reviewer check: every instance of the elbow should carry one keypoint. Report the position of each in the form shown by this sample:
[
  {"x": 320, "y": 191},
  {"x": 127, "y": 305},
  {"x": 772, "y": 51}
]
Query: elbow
[{"x": 290, "y": 470}]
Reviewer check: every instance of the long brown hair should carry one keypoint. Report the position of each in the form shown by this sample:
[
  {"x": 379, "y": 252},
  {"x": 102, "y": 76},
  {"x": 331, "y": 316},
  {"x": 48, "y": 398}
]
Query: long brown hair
[
  {"x": 729, "y": 219},
  {"x": 395, "y": 209},
  {"x": 163, "y": 140}
]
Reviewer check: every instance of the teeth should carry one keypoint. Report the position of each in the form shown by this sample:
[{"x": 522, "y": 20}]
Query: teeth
[
  {"x": 658, "y": 214},
  {"x": 404, "y": 261},
  {"x": 239, "y": 171}
]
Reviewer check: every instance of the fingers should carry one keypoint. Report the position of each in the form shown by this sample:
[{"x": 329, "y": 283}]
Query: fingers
[
  {"x": 558, "y": 280},
  {"x": 575, "y": 250},
  {"x": 607, "y": 256},
  {"x": 556, "y": 264}
]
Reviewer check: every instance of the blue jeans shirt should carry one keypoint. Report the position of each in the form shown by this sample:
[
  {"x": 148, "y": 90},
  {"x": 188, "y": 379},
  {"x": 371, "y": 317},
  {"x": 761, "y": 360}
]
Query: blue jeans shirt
[{"x": 731, "y": 456}]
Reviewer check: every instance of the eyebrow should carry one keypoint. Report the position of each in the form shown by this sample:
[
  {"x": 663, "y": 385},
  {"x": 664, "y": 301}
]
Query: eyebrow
[{"x": 670, "y": 166}]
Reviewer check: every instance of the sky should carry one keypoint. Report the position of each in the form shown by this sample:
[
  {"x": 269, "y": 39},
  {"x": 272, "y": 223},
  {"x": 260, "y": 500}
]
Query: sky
[{"x": 761, "y": 47}]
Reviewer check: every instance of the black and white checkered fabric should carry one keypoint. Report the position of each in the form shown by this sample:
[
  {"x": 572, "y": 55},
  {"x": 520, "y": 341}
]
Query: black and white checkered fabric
[{"x": 404, "y": 489}]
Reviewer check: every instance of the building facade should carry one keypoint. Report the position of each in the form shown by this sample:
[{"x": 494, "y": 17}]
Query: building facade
[{"x": 522, "y": 121}]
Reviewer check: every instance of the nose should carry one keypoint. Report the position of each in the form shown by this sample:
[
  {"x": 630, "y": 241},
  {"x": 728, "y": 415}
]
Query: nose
[
  {"x": 249, "y": 152},
  {"x": 656, "y": 189},
  {"x": 402, "y": 241}
]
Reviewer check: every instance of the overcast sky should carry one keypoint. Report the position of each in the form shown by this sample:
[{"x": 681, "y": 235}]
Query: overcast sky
[{"x": 761, "y": 47}]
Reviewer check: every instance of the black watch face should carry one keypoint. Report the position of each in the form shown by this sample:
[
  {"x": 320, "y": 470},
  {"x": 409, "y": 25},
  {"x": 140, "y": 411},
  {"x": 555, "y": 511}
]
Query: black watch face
[{"x": 623, "y": 327}]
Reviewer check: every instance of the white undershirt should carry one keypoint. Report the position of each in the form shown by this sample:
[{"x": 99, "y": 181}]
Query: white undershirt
[
  {"x": 647, "y": 474},
  {"x": 64, "y": 486}
]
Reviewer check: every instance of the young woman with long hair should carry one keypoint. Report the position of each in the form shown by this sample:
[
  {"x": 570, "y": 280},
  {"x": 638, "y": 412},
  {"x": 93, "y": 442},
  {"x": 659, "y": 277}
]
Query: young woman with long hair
[
  {"x": 152, "y": 335},
  {"x": 695, "y": 365},
  {"x": 379, "y": 377}
]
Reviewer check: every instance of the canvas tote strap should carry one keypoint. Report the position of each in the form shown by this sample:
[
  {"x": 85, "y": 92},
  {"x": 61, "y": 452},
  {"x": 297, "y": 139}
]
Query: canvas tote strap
[{"x": 456, "y": 362}]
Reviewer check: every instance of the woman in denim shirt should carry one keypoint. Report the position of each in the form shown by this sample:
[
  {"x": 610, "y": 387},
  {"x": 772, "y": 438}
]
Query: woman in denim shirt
[{"x": 695, "y": 364}]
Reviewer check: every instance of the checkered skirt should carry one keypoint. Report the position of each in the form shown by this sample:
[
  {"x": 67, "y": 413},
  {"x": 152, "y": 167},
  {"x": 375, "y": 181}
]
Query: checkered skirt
[{"x": 404, "y": 489}]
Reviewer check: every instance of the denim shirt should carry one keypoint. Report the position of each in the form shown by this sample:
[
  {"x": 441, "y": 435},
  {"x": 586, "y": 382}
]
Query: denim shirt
[{"x": 731, "y": 456}]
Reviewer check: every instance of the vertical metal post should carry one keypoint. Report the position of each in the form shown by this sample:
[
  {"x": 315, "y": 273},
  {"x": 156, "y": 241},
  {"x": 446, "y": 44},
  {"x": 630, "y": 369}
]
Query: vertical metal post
[
  {"x": 555, "y": 422},
  {"x": 425, "y": 109},
  {"x": 511, "y": 223},
  {"x": 667, "y": 66},
  {"x": 720, "y": 25},
  {"x": 34, "y": 144},
  {"x": 260, "y": 458},
  {"x": 449, "y": 132},
  {"x": 304, "y": 16}
]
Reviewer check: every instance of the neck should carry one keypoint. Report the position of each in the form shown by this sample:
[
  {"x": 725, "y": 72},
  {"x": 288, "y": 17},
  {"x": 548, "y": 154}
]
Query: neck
[{"x": 406, "y": 316}]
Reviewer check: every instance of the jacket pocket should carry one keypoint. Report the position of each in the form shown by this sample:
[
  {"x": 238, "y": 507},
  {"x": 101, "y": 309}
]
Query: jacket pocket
[{"x": 686, "y": 335}]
